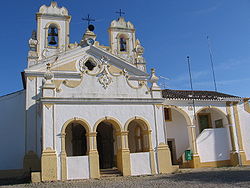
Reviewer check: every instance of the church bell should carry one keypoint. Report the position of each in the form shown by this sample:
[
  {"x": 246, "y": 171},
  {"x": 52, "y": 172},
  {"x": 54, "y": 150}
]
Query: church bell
[
  {"x": 52, "y": 41},
  {"x": 53, "y": 34}
]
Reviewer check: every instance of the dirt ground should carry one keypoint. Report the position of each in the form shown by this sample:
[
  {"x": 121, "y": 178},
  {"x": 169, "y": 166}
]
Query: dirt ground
[{"x": 206, "y": 177}]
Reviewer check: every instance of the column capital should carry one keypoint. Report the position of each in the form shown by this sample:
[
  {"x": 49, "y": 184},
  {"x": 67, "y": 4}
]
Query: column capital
[
  {"x": 92, "y": 134},
  {"x": 235, "y": 103}
]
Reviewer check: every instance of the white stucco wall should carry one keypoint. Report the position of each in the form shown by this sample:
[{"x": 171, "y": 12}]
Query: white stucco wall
[
  {"x": 77, "y": 167},
  {"x": 245, "y": 129},
  {"x": 12, "y": 134},
  {"x": 140, "y": 163},
  {"x": 214, "y": 145},
  {"x": 90, "y": 87},
  {"x": 177, "y": 129}
]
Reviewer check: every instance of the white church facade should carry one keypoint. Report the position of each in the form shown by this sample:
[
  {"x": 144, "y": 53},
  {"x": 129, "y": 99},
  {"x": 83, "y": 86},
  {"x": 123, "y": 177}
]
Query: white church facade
[{"x": 87, "y": 110}]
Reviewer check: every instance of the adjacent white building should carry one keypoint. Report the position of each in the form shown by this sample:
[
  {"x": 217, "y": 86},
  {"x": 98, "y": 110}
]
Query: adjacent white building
[{"x": 89, "y": 109}]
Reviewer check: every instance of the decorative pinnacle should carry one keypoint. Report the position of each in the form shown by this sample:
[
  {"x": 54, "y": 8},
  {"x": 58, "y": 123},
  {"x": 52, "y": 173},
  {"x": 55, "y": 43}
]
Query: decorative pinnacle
[
  {"x": 153, "y": 77},
  {"x": 48, "y": 75}
]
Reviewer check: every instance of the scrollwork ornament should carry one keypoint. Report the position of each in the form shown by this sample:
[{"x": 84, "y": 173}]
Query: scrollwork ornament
[
  {"x": 82, "y": 66},
  {"x": 104, "y": 79}
]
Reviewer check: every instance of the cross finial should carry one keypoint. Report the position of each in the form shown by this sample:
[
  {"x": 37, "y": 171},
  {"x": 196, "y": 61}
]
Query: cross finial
[
  {"x": 88, "y": 19},
  {"x": 120, "y": 12}
]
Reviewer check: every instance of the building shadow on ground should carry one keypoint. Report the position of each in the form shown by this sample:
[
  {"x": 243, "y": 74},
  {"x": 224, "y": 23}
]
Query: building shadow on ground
[
  {"x": 14, "y": 181},
  {"x": 224, "y": 176}
]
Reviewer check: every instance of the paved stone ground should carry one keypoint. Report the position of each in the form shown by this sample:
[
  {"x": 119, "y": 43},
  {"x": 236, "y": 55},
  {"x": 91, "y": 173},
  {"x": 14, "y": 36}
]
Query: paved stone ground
[{"x": 185, "y": 178}]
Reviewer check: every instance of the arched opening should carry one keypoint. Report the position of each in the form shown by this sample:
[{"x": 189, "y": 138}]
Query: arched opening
[
  {"x": 123, "y": 43},
  {"x": 211, "y": 118},
  {"x": 138, "y": 136},
  {"x": 213, "y": 141},
  {"x": 75, "y": 140},
  {"x": 52, "y": 38},
  {"x": 107, "y": 145},
  {"x": 177, "y": 133}
]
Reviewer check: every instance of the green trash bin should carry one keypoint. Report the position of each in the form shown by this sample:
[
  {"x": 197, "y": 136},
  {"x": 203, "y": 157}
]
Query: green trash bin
[{"x": 188, "y": 155}]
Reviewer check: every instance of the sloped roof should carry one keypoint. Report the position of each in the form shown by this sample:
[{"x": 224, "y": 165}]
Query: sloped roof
[{"x": 198, "y": 95}]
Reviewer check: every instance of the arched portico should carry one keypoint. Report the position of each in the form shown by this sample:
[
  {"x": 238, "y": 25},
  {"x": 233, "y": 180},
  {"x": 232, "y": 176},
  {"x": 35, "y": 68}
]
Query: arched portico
[
  {"x": 74, "y": 142},
  {"x": 178, "y": 124},
  {"x": 109, "y": 136},
  {"x": 139, "y": 142}
]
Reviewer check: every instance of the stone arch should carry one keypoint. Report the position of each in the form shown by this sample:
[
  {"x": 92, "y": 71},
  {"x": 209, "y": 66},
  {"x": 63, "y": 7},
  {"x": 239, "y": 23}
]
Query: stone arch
[
  {"x": 179, "y": 137},
  {"x": 123, "y": 41},
  {"x": 53, "y": 23},
  {"x": 212, "y": 107},
  {"x": 109, "y": 142},
  {"x": 211, "y": 118},
  {"x": 140, "y": 119},
  {"x": 139, "y": 134},
  {"x": 81, "y": 121},
  {"x": 47, "y": 32},
  {"x": 185, "y": 114},
  {"x": 113, "y": 121}
]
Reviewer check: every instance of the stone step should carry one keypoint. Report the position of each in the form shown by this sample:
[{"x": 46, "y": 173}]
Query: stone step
[{"x": 111, "y": 172}]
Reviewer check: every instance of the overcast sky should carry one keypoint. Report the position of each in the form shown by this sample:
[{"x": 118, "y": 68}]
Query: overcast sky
[{"x": 169, "y": 30}]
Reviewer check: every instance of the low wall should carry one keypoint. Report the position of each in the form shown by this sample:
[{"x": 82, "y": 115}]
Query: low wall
[
  {"x": 78, "y": 167},
  {"x": 214, "y": 145},
  {"x": 140, "y": 163}
]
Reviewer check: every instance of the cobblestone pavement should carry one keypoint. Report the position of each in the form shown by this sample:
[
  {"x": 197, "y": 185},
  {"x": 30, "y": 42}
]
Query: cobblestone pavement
[{"x": 208, "y": 177}]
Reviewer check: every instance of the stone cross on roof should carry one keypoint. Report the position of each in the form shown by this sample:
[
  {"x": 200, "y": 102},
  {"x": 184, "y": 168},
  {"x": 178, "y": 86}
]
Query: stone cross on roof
[
  {"x": 120, "y": 12},
  {"x": 88, "y": 19}
]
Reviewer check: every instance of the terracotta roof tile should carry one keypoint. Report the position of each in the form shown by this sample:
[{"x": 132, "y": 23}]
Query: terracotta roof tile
[{"x": 200, "y": 95}]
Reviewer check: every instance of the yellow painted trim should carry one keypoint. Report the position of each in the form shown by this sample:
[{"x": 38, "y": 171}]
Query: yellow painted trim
[
  {"x": 246, "y": 105},
  {"x": 216, "y": 163},
  {"x": 185, "y": 114},
  {"x": 49, "y": 165},
  {"x": 35, "y": 177},
  {"x": 206, "y": 164},
  {"x": 81, "y": 121},
  {"x": 237, "y": 124},
  {"x": 46, "y": 35},
  {"x": 71, "y": 66},
  {"x": 212, "y": 107},
  {"x": 194, "y": 163},
  {"x": 139, "y": 119},
  {"x": 31, "y": 78},
  {"x": 86, "y": 126},
  {"x": 234, "y": 158},
  {"x": 94, "y": 164},
  {"x": 164, "y": 158},
  {"x": 112, "y": 120},
  {"x": 72, "y": 83},
  {"x": 231, "y": 129}
]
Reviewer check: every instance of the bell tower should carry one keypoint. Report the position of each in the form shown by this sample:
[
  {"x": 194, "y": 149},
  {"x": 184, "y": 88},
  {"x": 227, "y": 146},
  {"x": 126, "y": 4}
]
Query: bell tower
[
  {"x": 52, "y": 30},
  {"x": 122, "y": 39},
  {"x": 123, "y": 42}
]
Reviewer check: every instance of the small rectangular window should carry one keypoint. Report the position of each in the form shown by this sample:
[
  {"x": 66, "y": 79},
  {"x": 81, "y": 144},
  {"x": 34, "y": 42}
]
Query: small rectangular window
[
  {"x": 167, "y": 114},
  {"x": 218, "y": 123}
]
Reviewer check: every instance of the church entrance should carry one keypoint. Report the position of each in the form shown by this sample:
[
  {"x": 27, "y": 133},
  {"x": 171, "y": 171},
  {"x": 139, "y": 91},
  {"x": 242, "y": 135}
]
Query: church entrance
[{"x": 106, "y": 143}]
